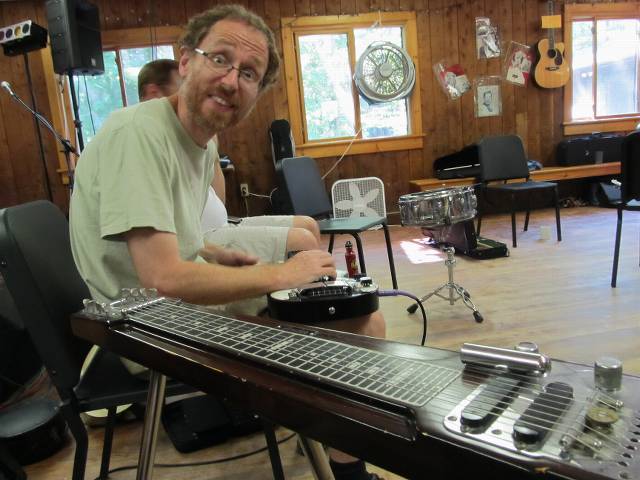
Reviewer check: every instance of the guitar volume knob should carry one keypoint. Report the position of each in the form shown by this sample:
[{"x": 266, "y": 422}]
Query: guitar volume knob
[{"x": 607, "y": 373}]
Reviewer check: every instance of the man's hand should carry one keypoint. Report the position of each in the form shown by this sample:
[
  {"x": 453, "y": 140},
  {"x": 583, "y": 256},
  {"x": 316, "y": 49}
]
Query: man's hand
[
  {"x": 225, "y": 256},
  {"x": 307, "y": 266}
]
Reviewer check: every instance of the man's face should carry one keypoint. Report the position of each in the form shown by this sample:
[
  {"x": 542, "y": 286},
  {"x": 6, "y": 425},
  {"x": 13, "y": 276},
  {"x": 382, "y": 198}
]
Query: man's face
[
  {"x": 487, "y": 97},
  {"x": 217, "y": 99}
]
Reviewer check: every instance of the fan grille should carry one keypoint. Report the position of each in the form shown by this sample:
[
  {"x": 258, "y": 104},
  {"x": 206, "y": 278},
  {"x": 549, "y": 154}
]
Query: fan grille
[
  {"x": 344, "y": 203},
  {"x": 384, "y": 72}
]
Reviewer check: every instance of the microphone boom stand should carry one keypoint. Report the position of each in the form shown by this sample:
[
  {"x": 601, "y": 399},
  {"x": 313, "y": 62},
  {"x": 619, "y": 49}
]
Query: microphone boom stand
[{"x": 40, "y": 120}]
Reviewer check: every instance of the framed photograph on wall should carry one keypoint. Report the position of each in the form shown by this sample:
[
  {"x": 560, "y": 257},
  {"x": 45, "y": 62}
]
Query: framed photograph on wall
[
  {"x": 487, "y": 94},
  {"x": 517, "y": 64}
]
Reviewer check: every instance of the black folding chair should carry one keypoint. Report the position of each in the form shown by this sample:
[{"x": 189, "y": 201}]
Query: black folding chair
[
  {"x": 503, "y": 158},
  {"x": 629, "y": 190},
  {"x": 300, "y": 178},
  {"x": 41, "y": 276}
]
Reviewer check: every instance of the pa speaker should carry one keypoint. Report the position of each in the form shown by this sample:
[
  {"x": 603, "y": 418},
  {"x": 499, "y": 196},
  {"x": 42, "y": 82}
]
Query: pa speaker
[{"x": 74, "y": 28}]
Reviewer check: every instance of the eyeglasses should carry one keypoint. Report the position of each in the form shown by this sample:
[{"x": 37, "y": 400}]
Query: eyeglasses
[{"x": 219, "y": 63}]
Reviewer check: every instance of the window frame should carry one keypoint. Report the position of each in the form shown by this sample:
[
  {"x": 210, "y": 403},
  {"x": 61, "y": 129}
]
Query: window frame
[
  {"x": 295, "y": 26},
  {"x": 598, "y": 11}
]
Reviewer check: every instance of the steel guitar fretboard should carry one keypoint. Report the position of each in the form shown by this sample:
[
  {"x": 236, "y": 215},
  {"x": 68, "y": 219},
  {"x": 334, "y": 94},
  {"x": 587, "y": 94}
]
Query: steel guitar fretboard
[{"x": 391, "y": 378}]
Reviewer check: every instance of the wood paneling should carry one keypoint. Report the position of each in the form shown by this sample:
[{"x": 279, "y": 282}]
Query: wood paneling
[{"x": 445, "y": 31}]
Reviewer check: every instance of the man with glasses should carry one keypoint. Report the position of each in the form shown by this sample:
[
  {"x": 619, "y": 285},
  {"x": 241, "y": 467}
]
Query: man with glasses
[{"x": 142, "y": 182}]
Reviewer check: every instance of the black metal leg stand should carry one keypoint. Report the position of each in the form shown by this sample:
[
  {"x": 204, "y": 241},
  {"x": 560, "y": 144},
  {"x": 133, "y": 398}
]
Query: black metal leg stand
[
  {"x": 274, "y": 451},
  {"x": 456, "y": 292}
]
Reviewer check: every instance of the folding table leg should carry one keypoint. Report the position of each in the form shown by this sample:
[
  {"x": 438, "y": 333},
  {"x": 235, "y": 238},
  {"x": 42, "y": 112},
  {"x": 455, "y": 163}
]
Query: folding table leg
[
  {"x": 155, "y": 397},
  {"x": 616, "y": 252}
]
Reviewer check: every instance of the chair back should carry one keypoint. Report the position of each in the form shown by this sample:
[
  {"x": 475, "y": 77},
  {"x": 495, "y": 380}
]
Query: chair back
[
  {"x": 630, "y": 168},
  {"x": 41, "y": 276},
  {"x": 502, "y": 157},
  {"x": 301, "y": 179}
]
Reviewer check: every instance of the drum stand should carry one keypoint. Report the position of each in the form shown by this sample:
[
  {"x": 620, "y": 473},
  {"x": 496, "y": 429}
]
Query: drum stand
[{"x": 456, "y": 292}]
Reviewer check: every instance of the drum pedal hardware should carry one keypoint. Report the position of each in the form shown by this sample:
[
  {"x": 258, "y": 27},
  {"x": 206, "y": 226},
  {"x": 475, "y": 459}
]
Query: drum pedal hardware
[{"x": 456, "y": 292}]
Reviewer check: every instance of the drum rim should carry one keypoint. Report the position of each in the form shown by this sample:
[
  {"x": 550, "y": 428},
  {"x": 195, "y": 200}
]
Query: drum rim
[{"x": 438, "y": 192}]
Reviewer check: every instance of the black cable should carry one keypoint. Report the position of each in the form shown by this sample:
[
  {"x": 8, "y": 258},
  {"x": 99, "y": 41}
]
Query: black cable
[
  {"x": 86, "y": 92},
  {"x": 203, "y": 463},
  {"x": 395, "y": 293}
]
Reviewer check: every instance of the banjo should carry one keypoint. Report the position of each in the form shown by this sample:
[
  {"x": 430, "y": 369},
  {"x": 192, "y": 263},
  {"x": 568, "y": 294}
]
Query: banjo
[{"x": 486, "y": 410}]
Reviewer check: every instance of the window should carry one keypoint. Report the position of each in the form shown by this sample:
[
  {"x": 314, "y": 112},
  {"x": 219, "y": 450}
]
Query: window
[
  {"x": 603, "y": 46},
  {"x": 326, "y": 112},
  {"x": 100, "y": 95}
]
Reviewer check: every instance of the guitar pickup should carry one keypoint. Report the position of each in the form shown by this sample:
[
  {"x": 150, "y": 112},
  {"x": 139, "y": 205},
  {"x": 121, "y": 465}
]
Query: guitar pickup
[
  {"x": 324, "y": 289},
  {"x": 540, "y": 417},
  {"x": 493, "y": 399}
]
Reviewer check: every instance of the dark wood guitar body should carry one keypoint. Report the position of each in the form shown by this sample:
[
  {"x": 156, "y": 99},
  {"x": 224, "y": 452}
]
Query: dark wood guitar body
[{"x": 417, "y": 436}]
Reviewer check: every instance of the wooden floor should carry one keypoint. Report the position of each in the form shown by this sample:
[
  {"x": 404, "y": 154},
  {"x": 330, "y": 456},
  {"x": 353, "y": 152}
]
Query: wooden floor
[{"x": 555, "y": 294}]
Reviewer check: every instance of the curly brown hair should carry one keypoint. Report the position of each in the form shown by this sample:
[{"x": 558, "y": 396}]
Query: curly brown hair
[{"x": 199, "y": 25}]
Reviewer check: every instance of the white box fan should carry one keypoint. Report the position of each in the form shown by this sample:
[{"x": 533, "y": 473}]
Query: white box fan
[{"x": 358, "y": 197}]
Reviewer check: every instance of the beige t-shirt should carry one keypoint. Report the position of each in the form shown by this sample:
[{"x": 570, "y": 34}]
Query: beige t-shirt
[{"x": 142, "y": 169}]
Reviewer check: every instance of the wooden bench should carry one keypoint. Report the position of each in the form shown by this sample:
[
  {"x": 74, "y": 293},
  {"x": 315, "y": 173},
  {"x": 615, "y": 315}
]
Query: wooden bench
[{"x": 546, "y": 174}]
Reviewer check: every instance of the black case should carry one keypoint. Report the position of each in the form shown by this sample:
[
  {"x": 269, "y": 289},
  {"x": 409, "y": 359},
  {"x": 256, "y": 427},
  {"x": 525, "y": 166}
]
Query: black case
[
  {"x": 461, "y": 164},
  {"x": 462, "y": 236},
  {"x": 200, "y": 422},
  {"x": 582, "y": 150}
]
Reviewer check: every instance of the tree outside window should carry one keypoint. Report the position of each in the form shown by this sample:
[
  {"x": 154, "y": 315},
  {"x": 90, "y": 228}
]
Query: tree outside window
[
  {"x": 100, "y": 95},
  {"x": 604, "y": 47},
  {"x": 326, "y": 111}
]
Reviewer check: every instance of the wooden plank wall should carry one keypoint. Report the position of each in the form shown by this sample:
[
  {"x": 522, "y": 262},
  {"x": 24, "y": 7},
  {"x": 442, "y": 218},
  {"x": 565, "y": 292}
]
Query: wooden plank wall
[{"x": 445, "y": 30}]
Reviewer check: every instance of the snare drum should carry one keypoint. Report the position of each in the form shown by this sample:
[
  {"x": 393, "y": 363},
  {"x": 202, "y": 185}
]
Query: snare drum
[{"x": 438, "y": 208}]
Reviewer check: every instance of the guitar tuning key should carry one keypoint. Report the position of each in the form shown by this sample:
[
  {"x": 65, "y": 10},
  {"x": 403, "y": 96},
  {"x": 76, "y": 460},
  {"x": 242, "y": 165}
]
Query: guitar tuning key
[{"x": 92, "y": 306}]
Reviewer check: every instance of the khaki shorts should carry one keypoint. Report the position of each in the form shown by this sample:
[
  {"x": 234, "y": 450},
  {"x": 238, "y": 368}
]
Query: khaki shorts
[{"x": 263, "y": 236}]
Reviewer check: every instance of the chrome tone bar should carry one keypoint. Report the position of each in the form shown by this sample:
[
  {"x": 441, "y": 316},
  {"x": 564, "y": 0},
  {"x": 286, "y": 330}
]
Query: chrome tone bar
[
  {"x": 157, "y": 384},
  {"x": 504, "y": 357}
]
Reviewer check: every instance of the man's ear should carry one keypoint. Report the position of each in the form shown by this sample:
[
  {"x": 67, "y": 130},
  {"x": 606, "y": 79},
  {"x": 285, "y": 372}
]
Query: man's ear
[
  {"x": 183, "y": 63},
  {"x": 151, "y": 90}
]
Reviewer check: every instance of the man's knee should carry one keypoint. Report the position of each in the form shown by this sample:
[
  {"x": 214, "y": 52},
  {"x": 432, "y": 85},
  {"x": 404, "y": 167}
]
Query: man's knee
[
  {"x": 301, "y": 239},
  {"x": 374, "y": 325},
  {"x": 308, "y": 223}
]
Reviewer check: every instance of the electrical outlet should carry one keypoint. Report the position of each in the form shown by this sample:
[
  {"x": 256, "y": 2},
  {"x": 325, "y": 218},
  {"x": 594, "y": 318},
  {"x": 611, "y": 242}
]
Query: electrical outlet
[{"x": 244, "y": 189}]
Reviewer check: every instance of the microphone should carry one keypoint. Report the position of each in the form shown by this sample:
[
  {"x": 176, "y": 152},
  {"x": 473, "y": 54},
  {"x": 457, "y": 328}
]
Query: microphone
[{"x": 7, "y": 86}]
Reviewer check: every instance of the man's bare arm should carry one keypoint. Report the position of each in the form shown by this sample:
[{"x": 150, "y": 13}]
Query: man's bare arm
[{"x": 158, "y": 265}]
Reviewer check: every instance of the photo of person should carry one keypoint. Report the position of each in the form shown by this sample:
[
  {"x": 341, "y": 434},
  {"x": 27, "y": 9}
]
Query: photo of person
[
  {"x": 454, "y": 81},
  {"x": 518, "y": 64},
  {"x": 487, "y": 42},
  {"x": 488, "y": 103}
]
